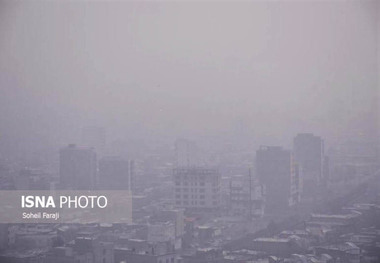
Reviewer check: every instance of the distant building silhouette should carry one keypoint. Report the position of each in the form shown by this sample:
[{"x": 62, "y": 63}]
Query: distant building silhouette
[
  {"x": 77, "y": 168},
  {"x": 276, "y": 170},
  {"x": 309, "y": 154}
]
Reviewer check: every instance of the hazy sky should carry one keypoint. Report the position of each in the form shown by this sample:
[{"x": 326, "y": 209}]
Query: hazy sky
[{"x": 185, "y": 68}]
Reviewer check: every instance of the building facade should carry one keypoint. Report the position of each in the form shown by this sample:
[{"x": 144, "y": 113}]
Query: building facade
[
  {"x": 246, "y": 196},
  {"x": 309, "y": 154},
  {"x": 197, "y": 188},
  {"x": 277, "y": 171}
]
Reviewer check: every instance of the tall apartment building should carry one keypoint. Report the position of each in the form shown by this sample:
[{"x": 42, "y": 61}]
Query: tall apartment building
[
  {"x": 277, "y": 171},
  {"x": 197, "y": 187},
  {"x": 309, "y": 154},
  {"x": 77, "y": 168},
  {"x": 186, "y": 153}
]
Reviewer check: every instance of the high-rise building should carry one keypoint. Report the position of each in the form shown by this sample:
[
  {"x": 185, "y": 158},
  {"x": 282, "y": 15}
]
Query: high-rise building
[
  {"x": 186, "y": 153},
  {"x": 309, "y": 154},
  {"x": 94, "y": 137},
  {"x": 77, "y": 168},
  {"x": 140, "y": 179},
  {"x": 197, "y": 187},
  {"x": 280, "y": 175},
  {"x": 115, "y": 173}
]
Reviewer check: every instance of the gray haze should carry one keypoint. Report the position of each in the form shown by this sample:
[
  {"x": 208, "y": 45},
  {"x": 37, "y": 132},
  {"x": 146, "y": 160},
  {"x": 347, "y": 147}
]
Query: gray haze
[{"x": 169, "y": 69}]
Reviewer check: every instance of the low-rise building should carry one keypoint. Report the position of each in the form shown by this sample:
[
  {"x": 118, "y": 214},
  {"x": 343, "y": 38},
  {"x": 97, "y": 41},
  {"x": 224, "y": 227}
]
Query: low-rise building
[{"x": 246, "y": 197}]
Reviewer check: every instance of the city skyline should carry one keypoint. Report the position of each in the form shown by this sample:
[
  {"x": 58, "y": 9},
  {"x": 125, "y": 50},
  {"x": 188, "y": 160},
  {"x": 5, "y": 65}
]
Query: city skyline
[{"x": 189, "y": 131}]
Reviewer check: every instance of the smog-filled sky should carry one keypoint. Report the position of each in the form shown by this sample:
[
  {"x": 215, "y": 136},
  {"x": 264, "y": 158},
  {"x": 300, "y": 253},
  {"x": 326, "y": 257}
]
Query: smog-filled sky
[{"x": 186, "y": 69}]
